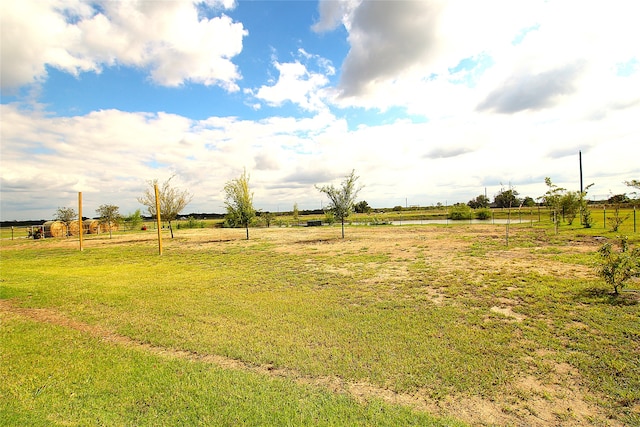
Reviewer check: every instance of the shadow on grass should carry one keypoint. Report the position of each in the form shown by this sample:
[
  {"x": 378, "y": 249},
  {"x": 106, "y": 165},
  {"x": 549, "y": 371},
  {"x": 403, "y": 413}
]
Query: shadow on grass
[{"x": 606, "y": 296}]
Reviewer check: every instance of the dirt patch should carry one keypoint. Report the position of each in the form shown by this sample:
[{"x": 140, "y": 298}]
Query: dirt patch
[
  {"x": 508, "y": 311},
  {"x": 531, "y": 404}
]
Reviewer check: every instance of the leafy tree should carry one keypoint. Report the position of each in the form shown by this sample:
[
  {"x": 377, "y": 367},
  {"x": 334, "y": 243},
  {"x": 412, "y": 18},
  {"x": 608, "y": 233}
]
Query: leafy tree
[
  {"x": 239, "y": 202},
  {"x": 110, "y": 215},
  {"x": 66, "y": 216},
  {"x": 570, "y": 203},
  {"x": 479, "y": 202},
  {"x": 507, "y": 198},
  {"x": 268, "y": 218},
  {"x": 362, "y": 207},
  {"x": 528, "y": 202},
  {"x": 617, "y": 267},
  {"x": 553, "y": 200},
  {"x": 134, "y": 220},
  {"x": 172, "y": 200},
  {"x": 342, "y": 199}
]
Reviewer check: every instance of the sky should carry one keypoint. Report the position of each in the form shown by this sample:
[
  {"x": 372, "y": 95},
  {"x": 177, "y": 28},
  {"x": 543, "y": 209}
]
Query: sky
[{"x": 427, "y": 101}]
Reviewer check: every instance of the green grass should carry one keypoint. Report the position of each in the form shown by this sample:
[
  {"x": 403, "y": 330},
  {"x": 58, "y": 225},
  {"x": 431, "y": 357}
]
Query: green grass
[
  {"x": 56, "y": 376},
  {"x": 406, "y": 317}
]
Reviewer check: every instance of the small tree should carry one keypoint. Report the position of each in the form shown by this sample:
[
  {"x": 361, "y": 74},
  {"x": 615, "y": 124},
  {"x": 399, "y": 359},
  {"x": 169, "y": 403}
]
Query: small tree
[
  {"x": 66, "y": 216},
  {"x": 616, "y": 220},
  {"x": 110, "y": 215},
  {"x": 587, "y": 221},
  {"x": 134, "y": 220},
  {"x": 268, "y": 218},
  {"x": 570, "y": 203},
  {"x": 172, "y": 200},
  {"x": 617, "y": 267},
  {"x": 296, "y": 213},
  {"x": 342, "y": 199},
  {"x": 239, "y": 202},
  {"x": 553, "y": 199}
]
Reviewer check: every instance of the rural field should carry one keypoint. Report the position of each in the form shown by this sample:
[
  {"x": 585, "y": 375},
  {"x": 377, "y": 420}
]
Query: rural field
[{"x": 427, "y": 325}]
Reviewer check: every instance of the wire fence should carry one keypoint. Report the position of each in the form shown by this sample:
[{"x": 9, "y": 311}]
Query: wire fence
[{"x": 603, "y": 217}]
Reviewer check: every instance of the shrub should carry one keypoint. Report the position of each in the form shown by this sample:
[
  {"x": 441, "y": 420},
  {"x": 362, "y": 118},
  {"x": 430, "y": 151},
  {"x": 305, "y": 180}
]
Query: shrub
[
  {"x": 329, "y": 218},
  {"x": 191, "y": 223},
  {"x": 483, "y": 213},
  {"x": 617, "y": 267},
  {"x": 460, "y": 211},
  {"x": 379, "y": 220}
]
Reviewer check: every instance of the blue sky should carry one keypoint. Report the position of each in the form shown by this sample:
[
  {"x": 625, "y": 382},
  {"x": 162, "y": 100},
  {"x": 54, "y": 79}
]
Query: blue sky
[{"x": 429, "y": 101}]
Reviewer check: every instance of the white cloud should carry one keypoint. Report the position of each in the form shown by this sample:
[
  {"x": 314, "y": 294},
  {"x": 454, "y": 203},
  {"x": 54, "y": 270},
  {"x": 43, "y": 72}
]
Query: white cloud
[
  {"x": 540, "y": 54},
  {"x": 109, "y": 155},
  {"x": 298, "y": 84},
  {"x": 510, "y": 92},
  {"x": 167, "y": 38}
]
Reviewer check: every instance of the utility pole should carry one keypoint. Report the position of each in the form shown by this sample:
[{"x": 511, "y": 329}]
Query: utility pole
[{"x": 580, "y": 158}]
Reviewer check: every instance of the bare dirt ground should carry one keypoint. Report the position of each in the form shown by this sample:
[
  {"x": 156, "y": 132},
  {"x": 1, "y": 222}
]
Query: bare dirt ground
[{"x": 559, "y": 400}]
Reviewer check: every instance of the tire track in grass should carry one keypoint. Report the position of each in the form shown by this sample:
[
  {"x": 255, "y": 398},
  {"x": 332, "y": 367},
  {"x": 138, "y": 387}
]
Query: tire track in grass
[
  {"x": 359, "y": 390},
  {"x": 471, "y": 409}
]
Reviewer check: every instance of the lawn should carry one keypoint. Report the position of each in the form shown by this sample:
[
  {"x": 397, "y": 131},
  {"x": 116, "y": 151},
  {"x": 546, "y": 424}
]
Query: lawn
[{"x": 394, "y": 325}]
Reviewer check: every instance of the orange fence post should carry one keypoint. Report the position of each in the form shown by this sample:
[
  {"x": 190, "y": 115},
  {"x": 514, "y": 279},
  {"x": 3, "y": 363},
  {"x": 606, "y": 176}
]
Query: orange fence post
[
  {"x": 80, "y": 218},
  {"x": 158, "y": 219}
]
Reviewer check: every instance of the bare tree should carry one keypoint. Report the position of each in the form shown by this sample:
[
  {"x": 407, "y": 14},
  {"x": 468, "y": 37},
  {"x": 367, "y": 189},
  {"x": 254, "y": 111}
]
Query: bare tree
[
  {"x": 342, "y": 199},
  {"x": 172, "y": 200},
  {"x": 239, "y": 202},
  {"x": 110, "y": 215}
]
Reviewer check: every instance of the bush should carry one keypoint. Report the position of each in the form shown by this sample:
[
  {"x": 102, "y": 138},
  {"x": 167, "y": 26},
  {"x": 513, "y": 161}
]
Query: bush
[
  {"x": 191, "y": 223},
  {"x": 379, "y": 220},
  {"x": 617, "y": 267},
  {"x": 483, "y": 214},
  {"x": 329, "y": 218},
  {"x": 460, "y": 211}
]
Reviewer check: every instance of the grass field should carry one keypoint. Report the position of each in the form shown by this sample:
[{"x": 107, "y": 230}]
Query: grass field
[{"x": 394, "y": 325}]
